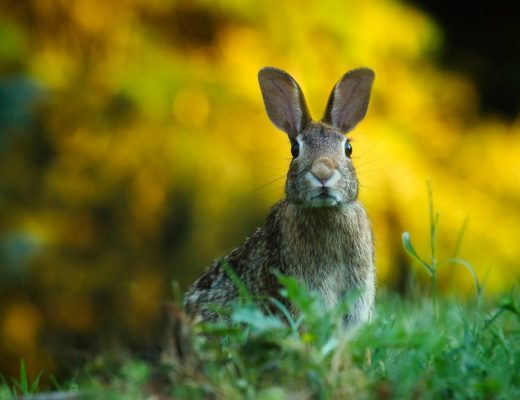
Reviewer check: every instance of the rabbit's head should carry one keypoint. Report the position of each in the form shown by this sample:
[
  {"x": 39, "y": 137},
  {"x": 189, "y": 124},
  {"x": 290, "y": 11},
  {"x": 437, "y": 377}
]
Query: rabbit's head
[{"x": 321, "y": 173}]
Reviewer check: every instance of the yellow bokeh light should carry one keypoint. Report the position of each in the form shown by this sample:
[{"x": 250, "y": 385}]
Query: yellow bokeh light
[{"x": 20, "y": 327}]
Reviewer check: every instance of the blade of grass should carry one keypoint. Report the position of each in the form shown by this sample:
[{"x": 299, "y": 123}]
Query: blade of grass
[
  {"x": 434, "y": 219},
  {"x": 407, "y": 244},
  {"x": 36, "y": 383},
  {"x": 469, "y": 268},
  {"x": 460, "y": 236},
  {"x": 55, "y": 383},
  {"x": 279, "y": 305},
  {"x": 24, "y": 384},
  {"x": 243, "y": 292},
  {"x": 10, "y": 390}
]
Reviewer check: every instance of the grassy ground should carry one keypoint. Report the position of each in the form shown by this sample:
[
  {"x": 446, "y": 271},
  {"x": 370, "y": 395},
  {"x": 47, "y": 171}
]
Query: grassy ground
[{"x": 467, "y": 351}]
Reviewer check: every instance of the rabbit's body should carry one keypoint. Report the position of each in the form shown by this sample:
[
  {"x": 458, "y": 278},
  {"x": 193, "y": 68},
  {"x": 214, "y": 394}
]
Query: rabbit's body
[
  {"x": 331, "y": 261},
  {"x": 319, "y": 233}
]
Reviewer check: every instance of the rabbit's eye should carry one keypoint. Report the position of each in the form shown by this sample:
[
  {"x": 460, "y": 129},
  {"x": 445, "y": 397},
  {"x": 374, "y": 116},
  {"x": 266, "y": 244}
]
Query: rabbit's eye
[
  {"x": 295, "y": 149},
  {"x": 348, "y": 148}
]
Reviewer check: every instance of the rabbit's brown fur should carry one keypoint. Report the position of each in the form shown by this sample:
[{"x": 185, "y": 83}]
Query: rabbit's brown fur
[{"x": 319, "y": 233}]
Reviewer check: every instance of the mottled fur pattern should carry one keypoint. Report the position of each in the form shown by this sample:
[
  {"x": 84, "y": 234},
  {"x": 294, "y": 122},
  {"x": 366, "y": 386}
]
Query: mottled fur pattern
[{"x": 319, "y": 233}]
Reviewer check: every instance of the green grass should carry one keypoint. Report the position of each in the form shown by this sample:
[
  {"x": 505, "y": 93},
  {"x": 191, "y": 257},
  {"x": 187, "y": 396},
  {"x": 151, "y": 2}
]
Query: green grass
[
  {"x": 469, "y": 351},
  {"x": 421, "y": 347},
  {"x": 466, "y": 351},
  {"x": 20, "y": 386},
  {"x": 432, "y": 264}
]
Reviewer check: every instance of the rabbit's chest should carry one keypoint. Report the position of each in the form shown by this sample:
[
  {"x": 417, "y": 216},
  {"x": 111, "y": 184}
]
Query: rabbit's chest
[
  {"x": 330, "y": 250},
  {"x": 332, "y": 285},
  {"x": 327, "y": 265}
]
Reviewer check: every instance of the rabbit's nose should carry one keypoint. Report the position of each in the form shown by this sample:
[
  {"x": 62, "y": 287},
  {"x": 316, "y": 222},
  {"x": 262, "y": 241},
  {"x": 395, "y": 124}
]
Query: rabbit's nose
[{"x": 322, "y": 168}]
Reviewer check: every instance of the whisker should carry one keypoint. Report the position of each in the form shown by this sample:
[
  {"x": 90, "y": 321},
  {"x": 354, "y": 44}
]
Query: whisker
[
  {"x": 270, "y": 167},
  {"x": 265, "y": 192},
  {"x": 370, "y": 187},
  {"x": 258, "y": 189},
  {"x": 371, "y": 147},
  {"x": 275, "y": 189},
  {"x": 370, "y": 162},
  {"x": 385, "y": 189},
  {"x": 375, "y": 224},
  {"x": 369, "y": 171},
  {"x": 382, "y": 165}
]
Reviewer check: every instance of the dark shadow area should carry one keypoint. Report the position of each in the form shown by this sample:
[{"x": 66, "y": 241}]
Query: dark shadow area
[{"x": 481, "y": 40}]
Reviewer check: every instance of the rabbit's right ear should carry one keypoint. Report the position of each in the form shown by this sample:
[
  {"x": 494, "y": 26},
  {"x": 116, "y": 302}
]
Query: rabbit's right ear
[
  {"x": 284, "y": 101},
  {"x": 348, "y": 102}
]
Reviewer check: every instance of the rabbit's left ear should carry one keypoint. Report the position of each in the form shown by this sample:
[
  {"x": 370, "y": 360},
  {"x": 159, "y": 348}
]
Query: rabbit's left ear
[
  {"x": 349, "y": 99},
  {"x": 283, "y": 100}
]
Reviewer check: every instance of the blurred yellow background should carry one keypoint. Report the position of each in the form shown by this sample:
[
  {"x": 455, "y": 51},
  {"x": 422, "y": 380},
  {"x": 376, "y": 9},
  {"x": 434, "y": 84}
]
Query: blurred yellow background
[{"x": 134, "y": 149}]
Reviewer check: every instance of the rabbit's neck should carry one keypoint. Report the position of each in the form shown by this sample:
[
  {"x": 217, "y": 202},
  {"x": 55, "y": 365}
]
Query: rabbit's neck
[{"x": 329, "y": 229}]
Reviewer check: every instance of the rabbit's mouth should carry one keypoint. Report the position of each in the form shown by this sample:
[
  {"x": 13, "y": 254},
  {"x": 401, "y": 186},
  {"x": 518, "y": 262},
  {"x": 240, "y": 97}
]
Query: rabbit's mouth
[{"x": 325, "y": 198}]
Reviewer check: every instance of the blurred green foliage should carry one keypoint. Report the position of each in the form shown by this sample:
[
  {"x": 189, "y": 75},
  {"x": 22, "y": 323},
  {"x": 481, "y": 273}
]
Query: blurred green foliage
[{"x": 134, "y": 149}]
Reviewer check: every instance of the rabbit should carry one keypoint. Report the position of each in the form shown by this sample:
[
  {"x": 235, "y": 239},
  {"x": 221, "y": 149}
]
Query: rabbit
[{"x": 320, "y": 233}]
